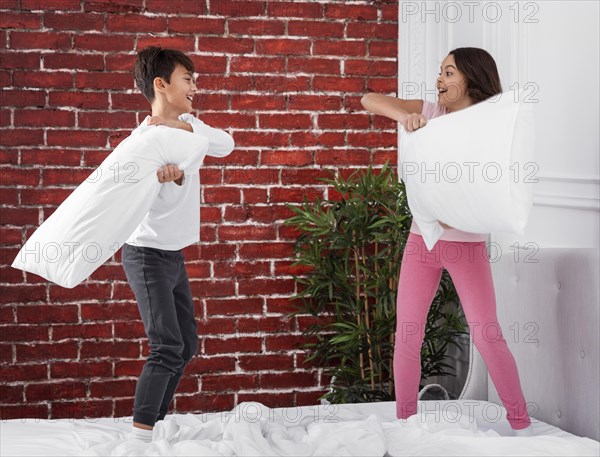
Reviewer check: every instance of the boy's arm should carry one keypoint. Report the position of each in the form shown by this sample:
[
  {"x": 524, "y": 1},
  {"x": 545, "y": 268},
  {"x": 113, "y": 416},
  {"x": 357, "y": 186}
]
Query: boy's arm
[
  {"x": 220, "y": 143},
  {"x": 163, "y": 172},
  {"x": 177, "y": 124}
]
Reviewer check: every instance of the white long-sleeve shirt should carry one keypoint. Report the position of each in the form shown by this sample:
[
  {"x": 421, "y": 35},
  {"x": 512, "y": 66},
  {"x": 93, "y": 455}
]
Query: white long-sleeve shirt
[{"x": 173, "y": 221}]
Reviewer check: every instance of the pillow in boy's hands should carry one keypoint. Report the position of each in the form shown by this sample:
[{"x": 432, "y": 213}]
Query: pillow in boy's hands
[
  {"x": 473, "y": 169},
  {"x": 101, "y": 213}
]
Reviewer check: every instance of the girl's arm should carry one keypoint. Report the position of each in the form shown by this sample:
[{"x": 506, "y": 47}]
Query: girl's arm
[
  {"x": 407, "y": 112},
  {"x": 392, "y": 107}
]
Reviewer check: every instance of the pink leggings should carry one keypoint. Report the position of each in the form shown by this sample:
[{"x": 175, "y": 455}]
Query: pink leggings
[{"x": 469, "y": 267}]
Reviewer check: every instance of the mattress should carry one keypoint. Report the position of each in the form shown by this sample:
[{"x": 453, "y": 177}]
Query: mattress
[{"x": 448, "y": 428}]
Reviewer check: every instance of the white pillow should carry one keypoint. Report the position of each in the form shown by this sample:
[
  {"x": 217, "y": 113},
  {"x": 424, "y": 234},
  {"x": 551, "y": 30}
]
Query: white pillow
[
  {"x": 99, "y": 215},
  {"x": 472, "y": 169}
]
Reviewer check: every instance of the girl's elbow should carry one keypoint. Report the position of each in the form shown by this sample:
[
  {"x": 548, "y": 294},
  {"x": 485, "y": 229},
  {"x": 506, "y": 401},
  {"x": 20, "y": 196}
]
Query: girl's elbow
[
  {"x": 369, "y": 101},
  {"x": 365, "y": 100}
]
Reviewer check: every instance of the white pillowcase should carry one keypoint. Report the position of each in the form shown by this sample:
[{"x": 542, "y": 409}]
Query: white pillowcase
[
  {"x": 99, "y": 215},
  {"x": 472, "y": 169}
]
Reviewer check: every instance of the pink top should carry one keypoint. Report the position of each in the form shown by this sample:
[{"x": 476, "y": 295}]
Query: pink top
[{"x": 431, "y": 110}]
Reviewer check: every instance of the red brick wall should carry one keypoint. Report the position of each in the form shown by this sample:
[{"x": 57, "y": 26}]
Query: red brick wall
[{"x": 285, "y": 79}]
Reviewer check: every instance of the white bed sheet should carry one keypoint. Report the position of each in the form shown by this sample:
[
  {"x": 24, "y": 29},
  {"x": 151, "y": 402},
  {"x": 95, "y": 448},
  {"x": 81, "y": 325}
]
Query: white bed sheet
[{"x": 452, "y": 427}]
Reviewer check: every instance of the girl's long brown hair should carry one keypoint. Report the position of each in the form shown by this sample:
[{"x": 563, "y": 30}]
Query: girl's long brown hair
[{"x": 481, "y": 72}]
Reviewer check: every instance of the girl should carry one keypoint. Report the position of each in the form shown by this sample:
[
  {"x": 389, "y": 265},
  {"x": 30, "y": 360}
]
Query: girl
[{"x": 468, "y": 76}]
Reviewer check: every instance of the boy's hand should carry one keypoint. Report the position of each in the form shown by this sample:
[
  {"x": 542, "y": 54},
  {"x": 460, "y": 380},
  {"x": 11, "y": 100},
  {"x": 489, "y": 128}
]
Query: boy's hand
[
  {"x": 173, "y": 123},
  {"x": 169, "y": 173}
]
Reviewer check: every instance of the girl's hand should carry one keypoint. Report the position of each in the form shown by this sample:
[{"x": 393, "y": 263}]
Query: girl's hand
[
  {"x": 444, "y": 225},
  {"x": 414, "y": 122},
  {"x": 169, "y": 173}
]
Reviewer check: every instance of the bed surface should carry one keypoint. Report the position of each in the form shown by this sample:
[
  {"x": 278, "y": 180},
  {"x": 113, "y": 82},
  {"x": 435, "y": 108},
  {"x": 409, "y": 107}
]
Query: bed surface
[
  {"x": 559, "y": 373},
  {"x": 451, "y": 427}
]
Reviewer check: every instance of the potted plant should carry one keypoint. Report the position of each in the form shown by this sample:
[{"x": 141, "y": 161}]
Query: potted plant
[{"x": 351, "y": 247}]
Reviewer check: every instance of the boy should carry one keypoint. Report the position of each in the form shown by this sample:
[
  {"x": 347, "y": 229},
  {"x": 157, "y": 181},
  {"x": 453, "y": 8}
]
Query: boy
[{"x": 152, "y": 256}]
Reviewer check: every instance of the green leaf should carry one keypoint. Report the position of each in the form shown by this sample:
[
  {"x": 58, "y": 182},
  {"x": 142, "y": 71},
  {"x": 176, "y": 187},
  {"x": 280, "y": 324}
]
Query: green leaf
[{"x": 371, "y": 220}]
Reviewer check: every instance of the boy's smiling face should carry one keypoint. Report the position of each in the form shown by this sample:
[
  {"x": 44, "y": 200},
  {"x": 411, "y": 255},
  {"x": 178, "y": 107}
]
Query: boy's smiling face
[{"x": 176, "y": 96}]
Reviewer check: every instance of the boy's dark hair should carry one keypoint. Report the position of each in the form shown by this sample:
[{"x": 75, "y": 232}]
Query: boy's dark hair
[
  {"x": 481, "y": 72},
  {"x": 154, "y": 62}
]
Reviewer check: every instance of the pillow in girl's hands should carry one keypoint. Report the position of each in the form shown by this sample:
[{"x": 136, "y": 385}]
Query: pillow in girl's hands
[
  {"x": 471, "y": 169},
  {"x": 101, "y": 213}
]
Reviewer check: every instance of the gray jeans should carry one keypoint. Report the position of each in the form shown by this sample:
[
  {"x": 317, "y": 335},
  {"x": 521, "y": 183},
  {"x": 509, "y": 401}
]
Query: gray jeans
[{"x": 161, "y": 286}]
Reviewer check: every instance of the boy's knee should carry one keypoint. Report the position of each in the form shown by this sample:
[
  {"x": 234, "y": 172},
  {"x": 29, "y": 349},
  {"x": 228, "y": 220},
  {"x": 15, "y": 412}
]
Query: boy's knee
[{"x": 168, "y": 355}]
